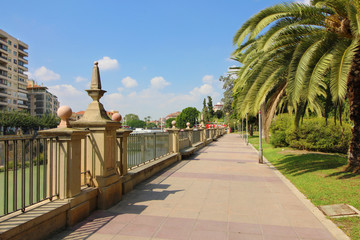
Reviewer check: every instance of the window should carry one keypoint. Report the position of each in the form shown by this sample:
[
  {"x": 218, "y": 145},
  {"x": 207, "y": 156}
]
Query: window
[
  {"x": 9, "y": 101},
  {"x": 9, "y": 50},
  {"x": 14, "y": 101},
  {"x": 15, "y": 46},
  {"x": 9, "y": 42},
  {"x": 15, "y": 61},
  {"x": 9, "y": 59},
  {"x": 14, "y": 53},
  {"x": 15, "y": 70}
]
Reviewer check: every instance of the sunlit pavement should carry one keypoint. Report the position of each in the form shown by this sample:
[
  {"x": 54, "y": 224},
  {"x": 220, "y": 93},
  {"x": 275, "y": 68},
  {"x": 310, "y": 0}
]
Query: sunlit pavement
[{"x": 222, "y": 192}]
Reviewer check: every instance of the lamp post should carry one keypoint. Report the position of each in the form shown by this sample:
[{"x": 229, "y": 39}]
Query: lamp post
[
  {"x": 247, "y": 130},
  {"x": 242, "y": 128},
  {"x": 261, "y": 159}
]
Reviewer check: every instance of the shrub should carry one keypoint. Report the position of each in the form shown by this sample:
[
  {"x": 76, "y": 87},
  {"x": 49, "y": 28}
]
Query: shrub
[
  {"x": 312, "y": 134},
  {"x": 278, "y": 130}
]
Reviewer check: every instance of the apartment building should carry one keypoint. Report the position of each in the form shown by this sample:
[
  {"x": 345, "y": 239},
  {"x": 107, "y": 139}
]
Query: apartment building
[
  {"x": 41, "y": 101},
  {"x": 13, "y": 80}
]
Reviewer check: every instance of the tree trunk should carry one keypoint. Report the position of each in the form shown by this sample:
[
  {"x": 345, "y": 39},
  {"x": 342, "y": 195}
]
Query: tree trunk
[
  {"x": 271, "y": 110},
  {"x": 353, "y": 85}
]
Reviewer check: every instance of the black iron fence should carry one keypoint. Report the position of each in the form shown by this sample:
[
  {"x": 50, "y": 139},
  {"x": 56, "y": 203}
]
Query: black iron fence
[{"x": 29, "y": 171}]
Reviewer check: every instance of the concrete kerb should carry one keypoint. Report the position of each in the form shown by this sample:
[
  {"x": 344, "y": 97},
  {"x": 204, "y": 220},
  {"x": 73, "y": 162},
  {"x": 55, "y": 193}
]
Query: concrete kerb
[{"x": 331, "y": 226}]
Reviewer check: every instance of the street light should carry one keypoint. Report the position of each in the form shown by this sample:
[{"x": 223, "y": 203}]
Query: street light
[
  {"x": 261, "y": 159},
  {"x": 247, "y": 130}
]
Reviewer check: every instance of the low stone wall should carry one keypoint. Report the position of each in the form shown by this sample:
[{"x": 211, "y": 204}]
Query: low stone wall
[{"x": 44, "y": 219}]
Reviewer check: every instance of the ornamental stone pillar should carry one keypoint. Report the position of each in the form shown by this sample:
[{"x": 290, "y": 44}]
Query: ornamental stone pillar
[
  {"x": 68, "y": 154},
  {"x": 101, "y": 145}
]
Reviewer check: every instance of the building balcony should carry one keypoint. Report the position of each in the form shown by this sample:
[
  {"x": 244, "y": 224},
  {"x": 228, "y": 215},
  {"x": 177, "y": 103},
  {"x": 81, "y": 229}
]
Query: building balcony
[
  {"x": 3, "y": 93},
  {"x": 3, "y": 59},
  {"x": 23, "y": 68},
  {"x": 3, "y": 73},
  {"x": 3, "y": 101},
  {"x": 2, "y": 50},
  {"x": 4, "y": 68},
  {"x": 25, "y": 61},
  {"x": 3, "y": 41},
  {"x": 22, "y": 52}
]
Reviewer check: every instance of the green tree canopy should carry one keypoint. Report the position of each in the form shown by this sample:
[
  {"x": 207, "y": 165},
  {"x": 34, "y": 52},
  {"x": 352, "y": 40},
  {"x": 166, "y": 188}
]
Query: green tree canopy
[
  {"x": 168, "y": 122},
  {"x": 189, "y": 114},
  {"x": 287, "y": 49}
]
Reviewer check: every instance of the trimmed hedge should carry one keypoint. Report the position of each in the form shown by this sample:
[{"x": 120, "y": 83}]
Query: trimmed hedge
[{"x": 312, "y": 134}]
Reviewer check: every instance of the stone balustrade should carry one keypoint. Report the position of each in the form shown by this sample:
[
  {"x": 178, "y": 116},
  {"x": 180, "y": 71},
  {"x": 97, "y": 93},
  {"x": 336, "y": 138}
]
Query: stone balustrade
[{"x": 92, "y": 159}]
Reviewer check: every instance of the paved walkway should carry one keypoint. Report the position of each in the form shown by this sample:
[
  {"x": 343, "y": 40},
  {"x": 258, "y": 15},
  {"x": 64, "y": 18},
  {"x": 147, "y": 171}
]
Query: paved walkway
[{"x": 220, "y": 193}]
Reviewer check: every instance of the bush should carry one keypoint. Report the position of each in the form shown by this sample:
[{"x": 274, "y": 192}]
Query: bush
[
  {"x": 278, "y": 130},
  {"x": 312, "y": 134}
]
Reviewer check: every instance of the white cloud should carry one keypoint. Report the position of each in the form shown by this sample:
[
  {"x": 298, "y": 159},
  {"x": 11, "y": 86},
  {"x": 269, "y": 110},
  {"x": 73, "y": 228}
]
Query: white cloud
[
  {"x": 70, "y": 96},
  {"x": 208, "y": 79},
  {"x": 205, "y": 89},
  {"x": 106, "y": 63},
  {"x": 132, "y": 94},
  {"x": 129, "y": 82},
  {"x": 159, "y": 82},
  {"x": 80, "y": 79},
  {"x": 43, "y": 74},
  {"x": 307, "y": 2},
  {"x": 120, "y": 89}
]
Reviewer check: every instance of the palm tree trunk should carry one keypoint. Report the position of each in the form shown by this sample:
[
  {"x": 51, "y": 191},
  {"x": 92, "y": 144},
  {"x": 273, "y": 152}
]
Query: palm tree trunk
[
  {"x": 271, "y": 110},
  {"x": 353, "y": 85}
]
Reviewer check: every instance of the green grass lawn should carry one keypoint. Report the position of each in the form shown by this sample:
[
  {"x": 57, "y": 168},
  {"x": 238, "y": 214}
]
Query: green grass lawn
[
  {"x": 320, "y": 177},
  {"x": 19, "y": 187}
]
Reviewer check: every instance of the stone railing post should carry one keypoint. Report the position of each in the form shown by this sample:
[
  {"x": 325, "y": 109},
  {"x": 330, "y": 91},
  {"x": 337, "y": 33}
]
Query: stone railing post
[
  {"x": 189, "y": 131},
  {"x": 173, "y": 138},
  {"x": 101, "y": 151},
  {"x": 202, "y": 134},
  {"x": 122, "y": 140},
  {"x": 69, "y": 154}
]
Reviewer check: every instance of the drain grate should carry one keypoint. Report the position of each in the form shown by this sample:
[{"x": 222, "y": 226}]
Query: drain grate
[{"x": 339, "y": 210}]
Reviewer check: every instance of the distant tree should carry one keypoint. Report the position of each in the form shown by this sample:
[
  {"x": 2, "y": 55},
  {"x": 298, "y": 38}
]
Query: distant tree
[
  {"x": 219, "y": 114},
  {"x": 228, "y": 93},
  {"x": 151, "y": 125},
  {"x": 131, "y": 116},
  {"x": 210, "y": 107},
  {"x": 147, "y": 119},
  {"x": 189, "y": 114},
  {"x": 205, "y": 111},
  {"x": 168, "y": 122},
  {"x": 136, "y": 123}
]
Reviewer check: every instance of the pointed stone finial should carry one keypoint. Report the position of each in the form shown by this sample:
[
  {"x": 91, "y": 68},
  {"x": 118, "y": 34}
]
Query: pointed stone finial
[
  {"x": 95, "y": 78},
  {"x": 173, "y": 123},
  {"x": 188, "y": 125}
]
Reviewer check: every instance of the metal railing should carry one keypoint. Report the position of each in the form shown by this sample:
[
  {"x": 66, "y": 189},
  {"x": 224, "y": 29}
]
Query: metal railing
[
  {"x": 183, "y": 135},
  {"x": 196, "y": 136},
  {"x": 145, "y": 147},
  {"x": 29, "y": 171}
]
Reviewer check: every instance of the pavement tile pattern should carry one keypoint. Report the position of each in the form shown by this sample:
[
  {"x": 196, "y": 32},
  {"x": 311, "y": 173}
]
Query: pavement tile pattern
[{"x": 219, "y": 193}]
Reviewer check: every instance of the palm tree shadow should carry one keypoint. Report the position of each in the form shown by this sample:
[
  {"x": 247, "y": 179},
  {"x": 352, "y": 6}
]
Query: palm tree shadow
[{"x": 310, "y": 162}]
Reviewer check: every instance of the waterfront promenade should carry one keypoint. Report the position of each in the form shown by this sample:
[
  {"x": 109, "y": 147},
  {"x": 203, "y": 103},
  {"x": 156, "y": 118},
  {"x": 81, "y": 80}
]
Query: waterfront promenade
[{"x": 221, "y": 192}]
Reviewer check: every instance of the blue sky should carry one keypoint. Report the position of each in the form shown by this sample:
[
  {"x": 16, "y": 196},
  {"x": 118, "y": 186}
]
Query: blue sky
[{"x": 155, "y": 56}]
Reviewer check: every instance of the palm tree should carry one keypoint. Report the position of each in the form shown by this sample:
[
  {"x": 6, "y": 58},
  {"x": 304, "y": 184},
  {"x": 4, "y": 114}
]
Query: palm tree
[{"x": 301, "y": 44}]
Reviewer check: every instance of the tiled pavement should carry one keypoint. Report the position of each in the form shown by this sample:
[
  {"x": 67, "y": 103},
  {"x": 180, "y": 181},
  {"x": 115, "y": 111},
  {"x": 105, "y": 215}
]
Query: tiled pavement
[{"x": 220, "y": 193}]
